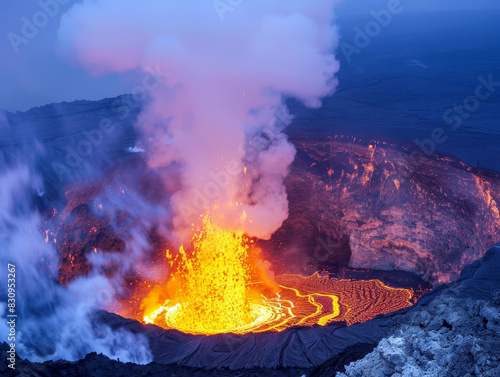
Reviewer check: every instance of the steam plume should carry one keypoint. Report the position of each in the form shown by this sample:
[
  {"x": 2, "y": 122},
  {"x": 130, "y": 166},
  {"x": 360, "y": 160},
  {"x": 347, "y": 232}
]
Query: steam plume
[
  {"x": 55, "y": 321},
  {"x": 226, "y": 71}
]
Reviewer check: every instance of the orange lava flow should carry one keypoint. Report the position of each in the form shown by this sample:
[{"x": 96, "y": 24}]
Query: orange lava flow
[{"x": 219, "y": 288}]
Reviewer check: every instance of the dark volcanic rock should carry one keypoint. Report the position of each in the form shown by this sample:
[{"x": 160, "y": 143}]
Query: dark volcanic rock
[
  {"x": 94, "y": 365},
  {"x": 298, "y": 347},
  {"x": 386, "y": 207},
  {"x": 454, "y": 331}
]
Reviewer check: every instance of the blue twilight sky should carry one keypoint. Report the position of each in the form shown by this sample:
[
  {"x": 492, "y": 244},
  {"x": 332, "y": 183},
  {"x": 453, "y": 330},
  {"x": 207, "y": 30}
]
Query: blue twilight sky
[{"x": 36, "y": 75}]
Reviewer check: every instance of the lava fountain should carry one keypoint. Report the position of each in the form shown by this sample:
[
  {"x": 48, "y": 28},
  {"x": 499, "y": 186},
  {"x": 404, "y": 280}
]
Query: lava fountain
[
  {"x": 209, "y": 288},
  {"x": 220, "y": 286}
]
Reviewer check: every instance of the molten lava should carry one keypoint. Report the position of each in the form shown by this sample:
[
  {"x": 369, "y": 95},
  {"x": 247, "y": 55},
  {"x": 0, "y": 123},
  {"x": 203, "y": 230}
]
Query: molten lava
[
  {"x": 209, "y": 289},
  {"x": 219, "y": 288}
]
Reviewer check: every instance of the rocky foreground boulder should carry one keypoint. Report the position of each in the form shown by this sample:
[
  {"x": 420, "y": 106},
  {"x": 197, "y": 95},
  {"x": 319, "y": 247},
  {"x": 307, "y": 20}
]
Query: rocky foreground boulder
[{"x": 453, "y": 332}]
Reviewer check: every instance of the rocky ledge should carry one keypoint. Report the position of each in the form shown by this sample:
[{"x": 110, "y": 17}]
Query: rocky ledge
[{"x": 452, "y": 331}]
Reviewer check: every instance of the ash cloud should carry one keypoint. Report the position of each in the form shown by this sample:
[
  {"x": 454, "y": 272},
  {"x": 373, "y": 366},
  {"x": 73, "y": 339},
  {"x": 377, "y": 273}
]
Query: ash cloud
[{"x": 220, "y": 110}]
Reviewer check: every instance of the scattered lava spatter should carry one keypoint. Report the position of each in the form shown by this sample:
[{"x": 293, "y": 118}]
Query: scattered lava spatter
[{"x": 215, "y": 290}]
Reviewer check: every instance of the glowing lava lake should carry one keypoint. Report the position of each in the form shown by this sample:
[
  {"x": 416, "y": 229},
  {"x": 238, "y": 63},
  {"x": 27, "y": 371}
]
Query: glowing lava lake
[{"x": 221, "y": 286}]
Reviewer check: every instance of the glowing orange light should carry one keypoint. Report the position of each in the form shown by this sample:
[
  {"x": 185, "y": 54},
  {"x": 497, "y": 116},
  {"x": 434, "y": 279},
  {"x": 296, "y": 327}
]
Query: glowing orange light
[{"x": 221, "y": 287}]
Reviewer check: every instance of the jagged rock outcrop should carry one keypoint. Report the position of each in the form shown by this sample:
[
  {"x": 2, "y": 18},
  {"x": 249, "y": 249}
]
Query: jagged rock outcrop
[
  {"x": 382, "y": 206},
  {"x": 454, "y": 331}
]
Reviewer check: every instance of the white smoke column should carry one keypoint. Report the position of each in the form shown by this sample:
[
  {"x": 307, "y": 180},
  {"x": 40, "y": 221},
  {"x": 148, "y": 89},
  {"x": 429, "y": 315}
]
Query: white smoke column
[
  {"x": 54, "y": 322},
  {"x": 220, "y": 107}
]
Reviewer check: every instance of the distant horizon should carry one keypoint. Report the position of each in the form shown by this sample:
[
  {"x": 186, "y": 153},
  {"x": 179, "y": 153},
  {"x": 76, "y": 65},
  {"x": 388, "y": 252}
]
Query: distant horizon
[{"x": 30, "y": 88}]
